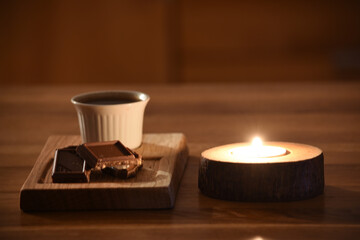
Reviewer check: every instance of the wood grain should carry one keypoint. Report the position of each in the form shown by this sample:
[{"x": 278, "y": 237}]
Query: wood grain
[
  {"x": 326, "y": 115},
  {"x": 155, "y": 186},
  {"x": 83, "y": 42},
  {"x": 162, "y": 41},
  {"x": 262, "y": 41}
]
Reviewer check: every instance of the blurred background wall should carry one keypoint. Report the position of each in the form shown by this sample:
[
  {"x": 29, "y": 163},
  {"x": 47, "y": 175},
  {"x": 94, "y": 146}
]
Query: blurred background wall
[{"x": 158, "y": 41}]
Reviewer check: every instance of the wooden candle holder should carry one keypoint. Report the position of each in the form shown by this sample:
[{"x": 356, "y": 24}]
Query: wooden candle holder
[{"x": 295, "y": 176}]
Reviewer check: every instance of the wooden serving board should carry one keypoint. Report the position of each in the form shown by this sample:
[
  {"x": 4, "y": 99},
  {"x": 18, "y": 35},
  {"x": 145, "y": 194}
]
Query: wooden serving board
[{"x": 155, "y": 186}]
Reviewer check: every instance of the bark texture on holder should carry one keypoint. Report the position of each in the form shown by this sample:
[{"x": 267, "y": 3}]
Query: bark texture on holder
[{"x": 288, "y": 180}]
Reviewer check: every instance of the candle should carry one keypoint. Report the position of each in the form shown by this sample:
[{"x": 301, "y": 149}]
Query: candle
[
  {"x": 270, "y": 171},
  {"x": 257, "y": 150},
  {"x": 254, "y": 152}
]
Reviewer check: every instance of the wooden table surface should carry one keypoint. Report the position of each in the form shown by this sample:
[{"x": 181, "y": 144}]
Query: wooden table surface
[{"x": 326, "y": 115}]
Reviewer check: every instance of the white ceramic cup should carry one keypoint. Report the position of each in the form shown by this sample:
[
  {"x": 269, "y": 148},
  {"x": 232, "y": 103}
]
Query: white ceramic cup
[{"x": 111, "y": 115}]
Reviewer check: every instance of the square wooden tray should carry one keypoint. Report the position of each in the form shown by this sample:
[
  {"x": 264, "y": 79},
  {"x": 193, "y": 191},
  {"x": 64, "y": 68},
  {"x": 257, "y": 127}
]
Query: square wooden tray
[{"x": 155, "y": 186}]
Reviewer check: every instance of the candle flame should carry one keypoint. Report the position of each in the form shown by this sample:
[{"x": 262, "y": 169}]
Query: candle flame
[
  {"x": 257, "y": 142},
  {"x": 257, "y": 150}
]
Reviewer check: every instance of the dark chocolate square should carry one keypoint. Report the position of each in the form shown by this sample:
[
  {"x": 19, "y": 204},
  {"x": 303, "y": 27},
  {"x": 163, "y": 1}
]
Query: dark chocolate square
[{"x": 69, "y": 166}]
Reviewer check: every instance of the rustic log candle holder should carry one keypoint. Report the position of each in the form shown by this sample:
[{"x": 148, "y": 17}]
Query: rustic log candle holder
[{"x": 296, "y": 175}]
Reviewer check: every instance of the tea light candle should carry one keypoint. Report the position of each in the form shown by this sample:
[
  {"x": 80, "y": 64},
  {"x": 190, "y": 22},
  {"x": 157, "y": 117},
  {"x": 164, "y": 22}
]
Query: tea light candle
[
  {"x": 270, "y": 171},
  {"x": 256, "y": 150}
]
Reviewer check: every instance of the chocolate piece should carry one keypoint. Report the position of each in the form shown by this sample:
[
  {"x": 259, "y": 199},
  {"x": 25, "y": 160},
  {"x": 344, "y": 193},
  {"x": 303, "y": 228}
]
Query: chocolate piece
[
  {"x": 68, "y": 166},
  {"x": 101, "y": 152},
  {"x": 122, "y": 169}
]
